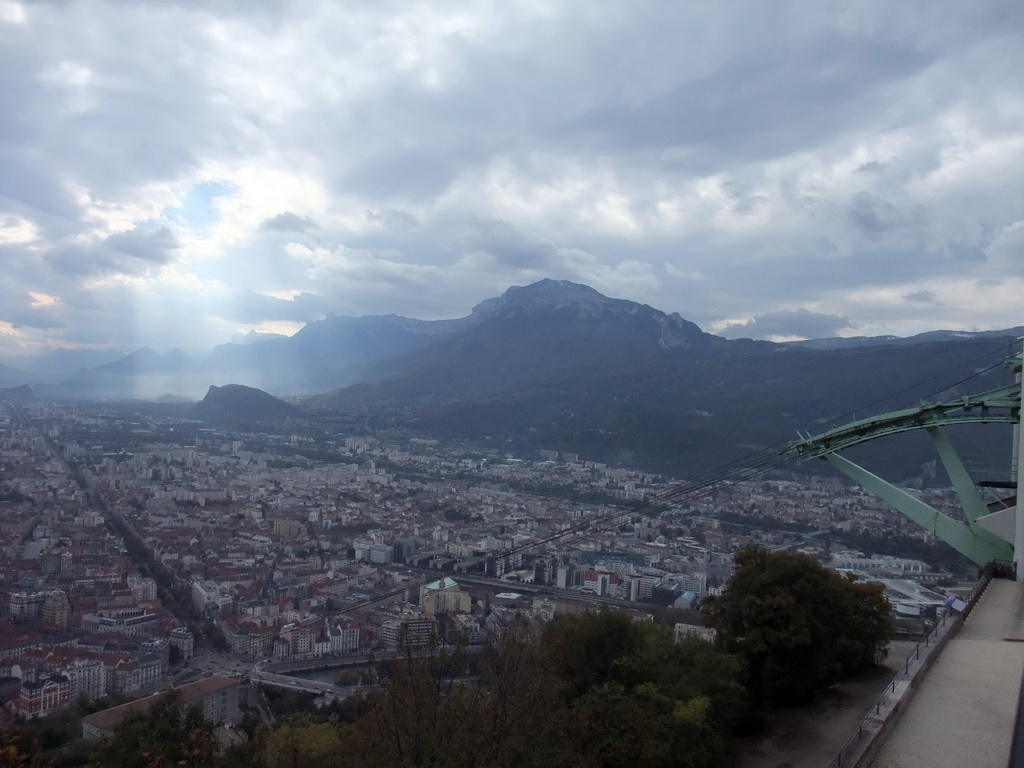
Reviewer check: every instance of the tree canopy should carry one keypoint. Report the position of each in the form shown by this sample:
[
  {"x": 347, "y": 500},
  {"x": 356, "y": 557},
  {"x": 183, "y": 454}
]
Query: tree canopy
[
  {"x": 597, "y": 689},
  {"x": 799, "y": 626},
  {"x": 633, "y": 697},
  {"x": 164, "y": 735}
]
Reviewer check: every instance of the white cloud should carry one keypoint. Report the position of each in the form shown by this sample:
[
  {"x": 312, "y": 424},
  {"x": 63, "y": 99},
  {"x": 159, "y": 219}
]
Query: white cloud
[
  {"x": 12, "y": 12},
  {"x": 723, "y": 161},
  {"x": 17, "y": 229},
  {"x": 40, "y": 299},
  {"x": 1006, "y": 251}
]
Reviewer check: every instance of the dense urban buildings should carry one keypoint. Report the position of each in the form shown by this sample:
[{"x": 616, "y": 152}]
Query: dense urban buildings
[{"x": 134, "y": 542}]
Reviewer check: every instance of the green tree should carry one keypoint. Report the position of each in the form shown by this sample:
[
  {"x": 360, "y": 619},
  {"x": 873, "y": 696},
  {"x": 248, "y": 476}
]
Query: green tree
[
  {"x": 797, "y": 625},
  {"x": 17, "y": 748},
  {"x": 164, "y": 735},
  {"x": 870, "y": 624},
  {"x": 583, "y": 649},
  {"x": 417, "y": 717},
  {"x": 302, "y": 742},
  {"x": 518, "y": 697},
  {"x": 596, "y": 690},
  {"x": 616, "y": 727},
  {"x": 425, "y": 715},
  {"x": 636, "y": 698}
]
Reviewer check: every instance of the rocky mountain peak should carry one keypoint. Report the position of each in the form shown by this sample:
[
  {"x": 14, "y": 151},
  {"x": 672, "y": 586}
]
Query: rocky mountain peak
[{"x": 545, "y": 294}]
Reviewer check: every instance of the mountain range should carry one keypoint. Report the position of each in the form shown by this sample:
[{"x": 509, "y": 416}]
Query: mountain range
[{"x": 558, "y": 365}]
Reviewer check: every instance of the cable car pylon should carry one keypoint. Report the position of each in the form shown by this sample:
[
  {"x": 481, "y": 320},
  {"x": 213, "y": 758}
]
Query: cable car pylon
[{"x": 993, "y": 531}]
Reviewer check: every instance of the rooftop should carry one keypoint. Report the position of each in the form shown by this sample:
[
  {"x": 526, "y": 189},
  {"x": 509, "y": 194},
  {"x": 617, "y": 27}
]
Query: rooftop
[{"x": 108, "y": 719}]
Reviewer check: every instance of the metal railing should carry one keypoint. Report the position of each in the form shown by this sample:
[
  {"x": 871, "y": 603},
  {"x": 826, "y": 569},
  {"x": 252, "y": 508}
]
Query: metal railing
[{"x": 910, "y": 667}]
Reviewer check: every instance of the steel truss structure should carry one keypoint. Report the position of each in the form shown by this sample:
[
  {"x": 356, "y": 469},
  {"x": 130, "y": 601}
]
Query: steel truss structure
[{"x": 993, "y": 531}]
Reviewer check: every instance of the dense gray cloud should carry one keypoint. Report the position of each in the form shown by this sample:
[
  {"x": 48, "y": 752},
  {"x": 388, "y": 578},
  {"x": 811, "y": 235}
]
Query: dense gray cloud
[
  {"x": 186, "y": 172},
  {"x": 251, "y": 307},
  {"x": 287, "y": 222},
  {"x": 922, "y": 297},
  {"x": 513, "y": 248},
  {"x": 132, "y": 251},
  {"x": 800, "y": 324},
  {"x": 393, "y": 219},
  {"x": 148, "y": 245},
  {"x": 873, "y": 217}
]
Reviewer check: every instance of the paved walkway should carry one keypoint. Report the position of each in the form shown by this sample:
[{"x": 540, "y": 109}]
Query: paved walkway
[
  {"x": 964, "y": 712},
  {"x": 810, "y": 736}
]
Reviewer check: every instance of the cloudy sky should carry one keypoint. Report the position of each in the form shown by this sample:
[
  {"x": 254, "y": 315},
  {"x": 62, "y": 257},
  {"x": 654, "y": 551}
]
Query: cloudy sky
[{"x": 177, "y": 173}]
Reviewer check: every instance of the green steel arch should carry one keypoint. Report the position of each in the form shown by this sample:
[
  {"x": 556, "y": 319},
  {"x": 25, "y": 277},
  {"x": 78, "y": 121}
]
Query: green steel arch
[{"x": 991, "y": 529}]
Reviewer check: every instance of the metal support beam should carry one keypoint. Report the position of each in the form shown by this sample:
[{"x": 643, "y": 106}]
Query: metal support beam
[
  {"x": 978, "y": 546},
  {"x": 990, "y": 533},
  {"x": 998, "y": 406},
  {"x": 971, "y": 501}
]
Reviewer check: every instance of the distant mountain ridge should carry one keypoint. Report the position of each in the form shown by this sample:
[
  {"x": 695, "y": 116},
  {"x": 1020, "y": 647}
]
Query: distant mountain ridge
[
  {"x": 334, "y": 352},
  {"x": 535, "y": 334},
  {"x": 57, "y": 365},
  {"x": 557, "y": 364},
  {"x": 876, "y": 341},
  {"x": 324, "y": 355},
  {"x": 143, "y": 374},
  {"x": 561, "y": 297},
  {"x": 561, "y": 366},
  {"x": 12, "y": 377},
  {"x": 339, "y": 351},
  {"x": 544, "y": 294}
]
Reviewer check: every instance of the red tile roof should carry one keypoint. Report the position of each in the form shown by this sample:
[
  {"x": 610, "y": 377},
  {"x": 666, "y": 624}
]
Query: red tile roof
[{"x": 108, "y": 719}]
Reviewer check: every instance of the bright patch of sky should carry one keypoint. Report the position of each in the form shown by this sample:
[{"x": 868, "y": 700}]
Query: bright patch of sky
[{"x": 198, "y": 209}]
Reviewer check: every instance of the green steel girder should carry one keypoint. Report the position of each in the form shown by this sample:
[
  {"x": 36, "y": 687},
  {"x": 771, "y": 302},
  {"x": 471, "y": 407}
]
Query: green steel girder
[
  {"x": 971, "y": 501},
  {"x": 997, "y": 406},
  {"x": 977, "y": 545}
]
